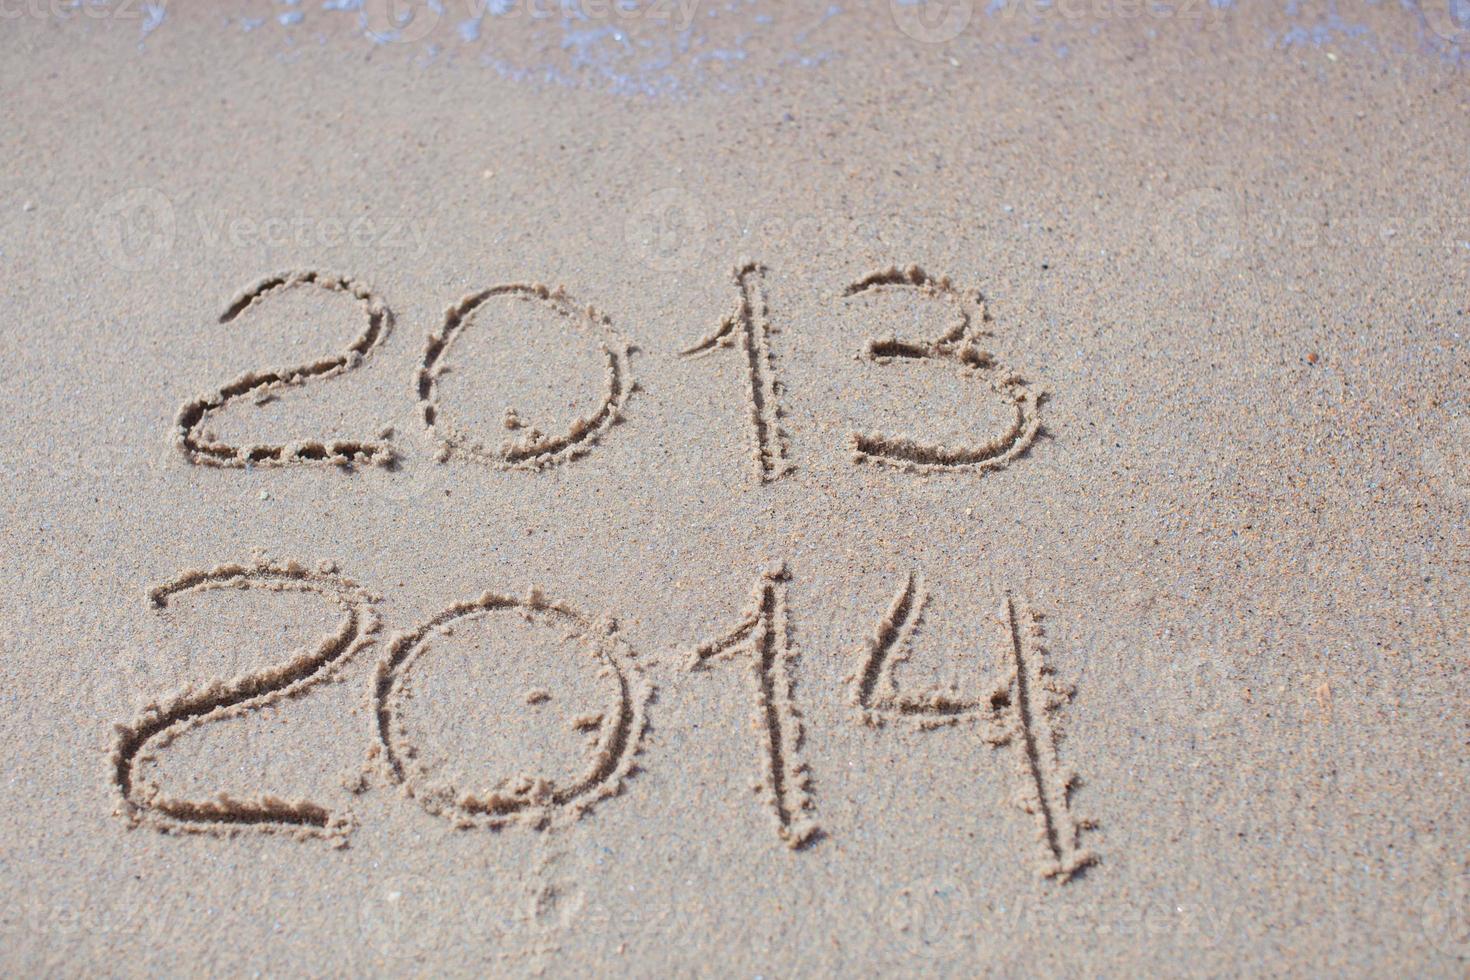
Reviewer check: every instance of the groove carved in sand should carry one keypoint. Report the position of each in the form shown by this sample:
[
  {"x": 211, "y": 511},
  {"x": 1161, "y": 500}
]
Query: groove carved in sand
[
  {"x": 164, "y": 720},
  {"x": 201, "y": 448},
  {"x": 1019, "y": 707},
  {"x": 957, "y": 346},
  {"x": 751, "y": 321},
  {"x": 529, "y": 448},
  {"x": 763, "y": 637},
  {"x": 872, "y": 687},
  {"x": 1027, "y": 720},
  {"x": 526, "y": 798}
]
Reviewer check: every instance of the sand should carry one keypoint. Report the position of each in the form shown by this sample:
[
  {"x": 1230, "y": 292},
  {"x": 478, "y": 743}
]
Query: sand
[{"x": 767, "y": 490}]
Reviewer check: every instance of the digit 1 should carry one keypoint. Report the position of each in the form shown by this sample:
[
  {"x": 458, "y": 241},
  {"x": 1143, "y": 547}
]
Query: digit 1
[
  {"x": 751, "y": 320},
  {"x": 763, "y": 638}
]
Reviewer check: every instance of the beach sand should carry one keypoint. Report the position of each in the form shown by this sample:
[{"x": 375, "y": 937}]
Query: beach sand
[{"x": 791, "y": 490}]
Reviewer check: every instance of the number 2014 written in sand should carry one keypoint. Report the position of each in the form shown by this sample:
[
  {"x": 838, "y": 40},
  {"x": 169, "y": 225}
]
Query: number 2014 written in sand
[{"x": 1016, "y": 706}]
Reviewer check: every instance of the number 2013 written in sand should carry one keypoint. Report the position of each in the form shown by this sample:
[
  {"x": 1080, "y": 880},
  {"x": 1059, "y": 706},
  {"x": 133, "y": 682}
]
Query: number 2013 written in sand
[
  {"x": 1016, "y": 706},
  {"x": 742, "y": 339}
]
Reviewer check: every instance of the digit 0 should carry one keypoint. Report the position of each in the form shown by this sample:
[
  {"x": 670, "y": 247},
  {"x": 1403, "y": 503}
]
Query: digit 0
[
  {"x": 526, "y": 446},
  {"x": 535, "y": 798}
]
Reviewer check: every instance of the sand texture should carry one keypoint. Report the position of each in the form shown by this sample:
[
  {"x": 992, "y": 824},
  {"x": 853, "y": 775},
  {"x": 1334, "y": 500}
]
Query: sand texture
[{"x": 732, "y": 488}]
